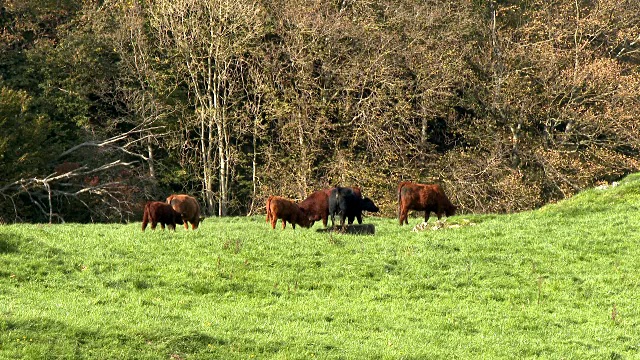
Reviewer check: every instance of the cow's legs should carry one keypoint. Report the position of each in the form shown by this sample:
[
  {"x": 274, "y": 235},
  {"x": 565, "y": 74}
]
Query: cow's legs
[
  {"x": 284, "y": 223},
  {"x": 273, "y": 222},
  {"x": 426, "y": 215},
  {"x": 186, "y": 224},
  {"x": 404, "y": 214}
]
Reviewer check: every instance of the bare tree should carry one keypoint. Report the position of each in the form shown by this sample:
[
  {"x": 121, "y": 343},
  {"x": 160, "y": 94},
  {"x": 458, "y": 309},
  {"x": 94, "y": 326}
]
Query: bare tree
[
  {"x": 208, "y": 38},
  {"x": 142, "y": 85}
]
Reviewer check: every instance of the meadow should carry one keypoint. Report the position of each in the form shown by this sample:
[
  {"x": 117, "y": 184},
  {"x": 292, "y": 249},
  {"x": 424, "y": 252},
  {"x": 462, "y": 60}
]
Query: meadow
[{"x": 559, "y": 282}]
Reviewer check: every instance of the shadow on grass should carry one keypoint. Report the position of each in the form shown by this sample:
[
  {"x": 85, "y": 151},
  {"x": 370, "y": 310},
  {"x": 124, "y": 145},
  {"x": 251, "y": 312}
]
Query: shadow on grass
[
  {"x": 9, "y": 244},
  {"x": 66, "y": 340},
  {"x": 28, "y": 258}
]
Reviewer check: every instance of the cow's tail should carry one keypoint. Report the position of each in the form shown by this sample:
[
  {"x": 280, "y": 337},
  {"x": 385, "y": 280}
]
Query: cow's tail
[
  {"x": 269, "y": 214},
  {"x": 145, "y": 217},
  {"x": 400, "y": 186}
]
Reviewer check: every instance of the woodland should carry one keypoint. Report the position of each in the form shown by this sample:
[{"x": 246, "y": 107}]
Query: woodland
[{"x": 509, "y": 105}]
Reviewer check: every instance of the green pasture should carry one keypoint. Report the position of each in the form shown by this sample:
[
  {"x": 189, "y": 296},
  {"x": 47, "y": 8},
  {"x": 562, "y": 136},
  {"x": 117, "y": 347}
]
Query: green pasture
[{"x": 561, "y": 282}]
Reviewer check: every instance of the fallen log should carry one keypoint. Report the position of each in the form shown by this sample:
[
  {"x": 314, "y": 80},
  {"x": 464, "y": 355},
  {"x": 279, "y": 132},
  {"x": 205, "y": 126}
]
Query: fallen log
[{"x": 362, "y": 229}]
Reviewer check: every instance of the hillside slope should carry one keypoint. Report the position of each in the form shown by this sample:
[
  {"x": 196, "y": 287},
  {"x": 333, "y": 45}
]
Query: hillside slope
[{"x": 558, "y": 282}]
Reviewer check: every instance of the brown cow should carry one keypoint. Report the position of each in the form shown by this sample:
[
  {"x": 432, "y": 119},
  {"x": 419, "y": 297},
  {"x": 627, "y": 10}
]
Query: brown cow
[
  {"x": 159, "y": 212},
  {"x": 188, "y": 208},
  {"x": 421, "y": 197},
  {"x": 287, "y": 210},
  {"x": 317, "y": 206}
]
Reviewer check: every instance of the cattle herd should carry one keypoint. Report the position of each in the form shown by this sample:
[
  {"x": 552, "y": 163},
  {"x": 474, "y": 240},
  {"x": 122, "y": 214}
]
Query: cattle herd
[{"x": 347, "y": 203}]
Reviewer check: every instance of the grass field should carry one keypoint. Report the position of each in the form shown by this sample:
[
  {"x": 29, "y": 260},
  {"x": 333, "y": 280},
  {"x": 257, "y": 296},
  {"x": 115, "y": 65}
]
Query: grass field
[{"x": 559, "y": 282}]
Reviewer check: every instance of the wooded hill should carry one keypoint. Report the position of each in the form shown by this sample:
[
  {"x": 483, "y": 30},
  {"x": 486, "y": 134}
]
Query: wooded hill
[{"x": 507, "y": 104}]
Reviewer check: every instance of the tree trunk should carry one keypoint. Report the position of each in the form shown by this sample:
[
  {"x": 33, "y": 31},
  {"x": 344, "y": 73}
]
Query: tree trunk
[
  {"x": 207, "y": 163},
  {"x": 254, "y": 162},
  {"x": 152, "y": 169},
  {"x": 222, "y": 197},
  {"x": 302, "y": 178}
]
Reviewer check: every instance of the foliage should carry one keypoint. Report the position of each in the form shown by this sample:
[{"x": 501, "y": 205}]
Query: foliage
[
  {"x": 509, "y": 105},
  {"x": 556, "y": 282}
]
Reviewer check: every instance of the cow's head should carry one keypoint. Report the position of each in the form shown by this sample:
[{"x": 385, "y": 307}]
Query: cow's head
[
  {"x": 304, "y": 218},
  {"x": 450, "y": 210},
  {"x": 177, "y": 217},
  {"x": 310, "y": 215},
  {"x": 368, "y": 205}
]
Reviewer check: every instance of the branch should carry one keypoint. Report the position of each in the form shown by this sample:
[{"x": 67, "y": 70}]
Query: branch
[
  {"x": 30, "y": 186},
  {"x": 112, "y": 140}
]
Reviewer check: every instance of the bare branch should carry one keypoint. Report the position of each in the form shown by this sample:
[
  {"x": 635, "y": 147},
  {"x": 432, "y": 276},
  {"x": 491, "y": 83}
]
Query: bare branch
[
  {"x": 114, "y": 139},
  {"x": 41, "y": 188}
]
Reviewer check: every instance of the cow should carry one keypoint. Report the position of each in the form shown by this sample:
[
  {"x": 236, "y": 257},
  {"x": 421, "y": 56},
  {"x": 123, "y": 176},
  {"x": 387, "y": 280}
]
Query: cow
[
  {"x": 317, "y": 206},
  {"x": 422, "y": 197},
  {"x": 159, "y": 212},
  {"x": 188, "y": 208},
  {"x": 281, "y": 208},
  {"x": 349, "y": 204}
]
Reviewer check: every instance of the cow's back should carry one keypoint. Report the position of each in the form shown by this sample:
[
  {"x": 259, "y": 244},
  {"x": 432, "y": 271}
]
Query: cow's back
[
  {"x": 412, "y": 196},
  {"x": 187, "y": 206}
]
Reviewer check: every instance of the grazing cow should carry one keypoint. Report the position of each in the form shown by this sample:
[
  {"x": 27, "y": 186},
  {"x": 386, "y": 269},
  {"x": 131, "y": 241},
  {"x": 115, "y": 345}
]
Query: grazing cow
[
  {"x": 287, "y": 210},
  {"x": 188, "y": 208},
  {"x": 349, "y": 204},
  {"x": 412, "y": 196},
  {"x": 159, "y": 212},
  {"x": 317, "y": 206}
]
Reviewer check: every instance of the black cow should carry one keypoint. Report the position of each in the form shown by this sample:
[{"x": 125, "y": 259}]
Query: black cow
[{"x": 348, "y": 204}]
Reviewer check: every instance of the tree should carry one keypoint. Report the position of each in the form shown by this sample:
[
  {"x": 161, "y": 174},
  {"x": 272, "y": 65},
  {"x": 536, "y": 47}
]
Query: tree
[
  {"x": 70, "y": 148},
  {"x": 209, "y": 39}
]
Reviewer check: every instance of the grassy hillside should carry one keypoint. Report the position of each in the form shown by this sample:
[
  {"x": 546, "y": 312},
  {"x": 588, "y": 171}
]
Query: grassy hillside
[{"x": 559, "y": 282}]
